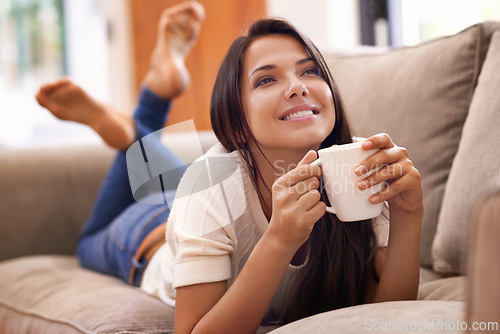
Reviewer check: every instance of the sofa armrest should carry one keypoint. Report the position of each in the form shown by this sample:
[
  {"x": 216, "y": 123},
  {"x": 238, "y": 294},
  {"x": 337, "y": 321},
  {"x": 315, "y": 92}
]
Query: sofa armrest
[
  {"x": 46, "y": 196},
  {"x": 483, "y": 265}
]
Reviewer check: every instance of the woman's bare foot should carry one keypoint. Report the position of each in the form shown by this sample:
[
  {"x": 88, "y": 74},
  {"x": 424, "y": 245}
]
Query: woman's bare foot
[
  {"x": 178, "y": 31},
  {"x": 167, "y": 77},
  {"x": 68, "y": 101}
]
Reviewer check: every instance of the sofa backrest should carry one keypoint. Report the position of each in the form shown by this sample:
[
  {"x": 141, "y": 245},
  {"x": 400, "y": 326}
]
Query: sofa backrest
[
  {"x": 475, "y": 173},
  {"x": 48, "y": 193},
  {"x": 421, "y": 97}
]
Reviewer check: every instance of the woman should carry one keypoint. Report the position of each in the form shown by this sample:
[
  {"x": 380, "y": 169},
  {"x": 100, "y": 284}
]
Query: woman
[{"x": 266, "y": 249}]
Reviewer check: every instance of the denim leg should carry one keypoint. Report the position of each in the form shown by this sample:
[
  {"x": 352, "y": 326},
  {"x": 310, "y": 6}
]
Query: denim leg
[
  {"x": 115, "y": 194},
  {"x": 118, "y": 224},
  {"x": 111, "y": 250}
]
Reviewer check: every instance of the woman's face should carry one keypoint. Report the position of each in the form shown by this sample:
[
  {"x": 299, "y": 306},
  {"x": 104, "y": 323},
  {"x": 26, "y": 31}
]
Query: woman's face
[{"x": 286, "y": 102}]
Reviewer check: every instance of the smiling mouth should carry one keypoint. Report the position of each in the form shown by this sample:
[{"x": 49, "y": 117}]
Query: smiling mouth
[{"x": 299, "y": 114}]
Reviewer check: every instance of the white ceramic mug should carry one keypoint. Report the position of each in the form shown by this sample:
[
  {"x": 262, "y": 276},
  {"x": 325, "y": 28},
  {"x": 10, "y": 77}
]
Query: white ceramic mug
[{"x": 348, "y": 202}]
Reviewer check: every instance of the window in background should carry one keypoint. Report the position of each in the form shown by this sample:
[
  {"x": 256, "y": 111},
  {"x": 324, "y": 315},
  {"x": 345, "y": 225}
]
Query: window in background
[
  {"x": 32, "y": 47},
  {"x": 409, "y": 22},
  {"x": 42, "y": 41},
  {"x": 330, "y": 24},
  {"x": 32, "y": 44},
  {"x": 412, "y": 22}
]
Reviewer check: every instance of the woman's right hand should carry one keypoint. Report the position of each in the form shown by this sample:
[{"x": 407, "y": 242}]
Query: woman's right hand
[{"x": 296, "y": 203}]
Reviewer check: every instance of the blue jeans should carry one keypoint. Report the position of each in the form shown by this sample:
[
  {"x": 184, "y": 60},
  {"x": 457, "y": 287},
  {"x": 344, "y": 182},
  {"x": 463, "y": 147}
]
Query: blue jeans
[{"x": 118, "y": 224}]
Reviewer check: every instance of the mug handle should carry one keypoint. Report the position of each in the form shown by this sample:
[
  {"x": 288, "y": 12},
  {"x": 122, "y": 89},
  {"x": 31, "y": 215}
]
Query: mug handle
[{"x": 317, "y": 162}]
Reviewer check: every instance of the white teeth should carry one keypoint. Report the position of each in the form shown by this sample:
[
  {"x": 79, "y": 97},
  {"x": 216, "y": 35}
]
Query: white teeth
[{"x": 299, "y": 114}]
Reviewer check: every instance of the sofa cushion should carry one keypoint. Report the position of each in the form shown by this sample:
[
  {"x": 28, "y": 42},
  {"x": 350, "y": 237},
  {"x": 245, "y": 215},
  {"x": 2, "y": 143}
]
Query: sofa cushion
[
  {"x": 421, "y": 316},
  {"x": 434, "y": 286},
  {"x": 428, "y": 275},
  {"x": 450, "y": 288},
  {"x": 475, "y": 173},
  {"x": 52, "y": 294},
  {"x": 420, "y": 96},
  {"x": 49, "y": 193},
  {"x": 55, "y": 295}
]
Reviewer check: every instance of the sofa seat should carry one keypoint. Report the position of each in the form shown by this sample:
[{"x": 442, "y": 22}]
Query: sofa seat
[
  {"x": 448, "y": 289},
  {"x": 434, "y": 286},
  {"x": 52, "y": 300},
  {"x": 54, "y": 294},
  {"x": 389, "y": 317},
  {"x": 46, "y": 292}
]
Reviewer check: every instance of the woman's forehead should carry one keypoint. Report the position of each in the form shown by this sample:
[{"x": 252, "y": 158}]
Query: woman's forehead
[{"x": 271, "y": 49}]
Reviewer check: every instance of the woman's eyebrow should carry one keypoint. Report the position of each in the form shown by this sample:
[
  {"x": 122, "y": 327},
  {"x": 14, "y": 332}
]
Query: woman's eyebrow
[
  {"x": 305, "y": 60},
  {"x": 263, "y": 68},
  {"x": 271, "y": 66}
]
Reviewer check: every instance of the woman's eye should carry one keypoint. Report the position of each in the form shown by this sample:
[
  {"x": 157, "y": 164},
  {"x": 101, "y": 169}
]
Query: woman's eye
[
  {"x": 313, "y": 71},
  {"x": 263, "y": 81}
]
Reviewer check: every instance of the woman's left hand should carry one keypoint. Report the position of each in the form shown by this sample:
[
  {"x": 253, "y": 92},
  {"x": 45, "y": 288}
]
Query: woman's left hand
[{"x": 403, "y": 182}]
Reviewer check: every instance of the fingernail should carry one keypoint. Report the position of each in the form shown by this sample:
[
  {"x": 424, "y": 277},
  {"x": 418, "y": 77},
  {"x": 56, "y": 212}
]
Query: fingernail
[
  {"x": 375, "y": 199},
  {"x": 362, "y": 184},
  {"x": 360, "y": 170},
  {"x": 367, "y": 144}
]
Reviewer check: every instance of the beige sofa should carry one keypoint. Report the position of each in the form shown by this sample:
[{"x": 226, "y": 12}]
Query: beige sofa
[{"x": 439, "y": 99}]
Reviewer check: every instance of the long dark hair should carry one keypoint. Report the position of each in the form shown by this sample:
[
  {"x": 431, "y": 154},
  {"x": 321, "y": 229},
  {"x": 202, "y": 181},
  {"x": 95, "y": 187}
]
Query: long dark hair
[{"x": 340, "y": 255}]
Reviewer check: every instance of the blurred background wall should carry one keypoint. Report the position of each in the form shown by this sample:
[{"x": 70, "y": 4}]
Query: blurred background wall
[{"x": 105, "y": 45}]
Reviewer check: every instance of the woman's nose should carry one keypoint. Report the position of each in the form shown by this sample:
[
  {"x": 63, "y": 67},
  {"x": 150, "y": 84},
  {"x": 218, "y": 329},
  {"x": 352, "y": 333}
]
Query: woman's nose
[{"x": 296, "y": 88}]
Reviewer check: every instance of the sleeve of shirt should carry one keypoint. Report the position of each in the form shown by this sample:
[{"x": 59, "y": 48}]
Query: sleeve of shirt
[{"x": 202, "y": 231}]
